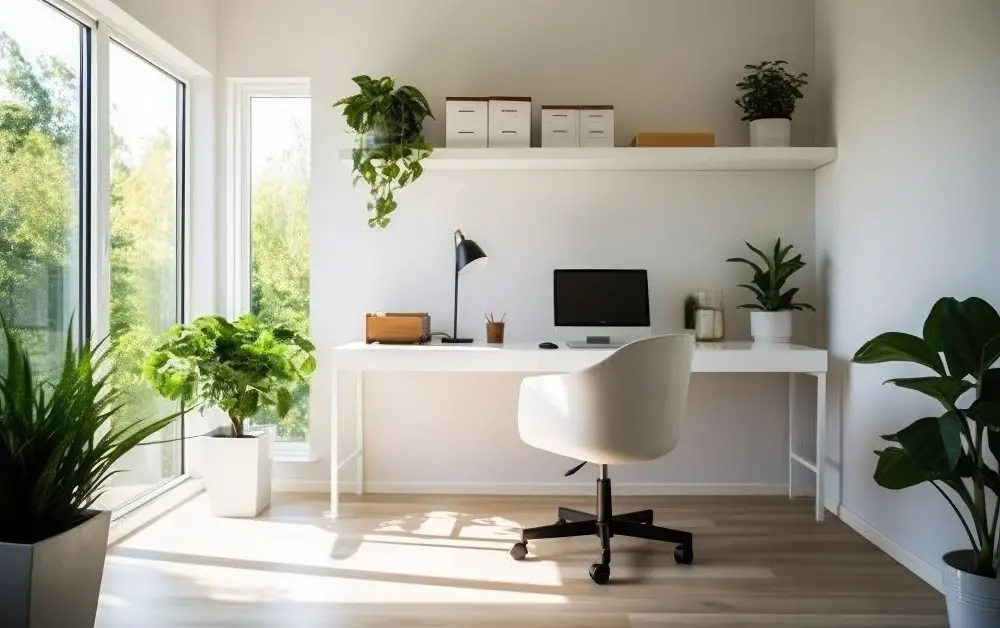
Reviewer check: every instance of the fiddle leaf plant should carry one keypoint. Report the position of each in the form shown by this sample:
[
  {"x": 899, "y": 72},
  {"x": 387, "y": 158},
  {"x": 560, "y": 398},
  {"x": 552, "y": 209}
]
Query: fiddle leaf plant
[
  {"x": 769, "y": 279},
  {"x": 960, "y": 344},
  {"x": 388, "y": 122},
  {"x": 770, "y": 91},
  {"x": 241, "y": 367}
]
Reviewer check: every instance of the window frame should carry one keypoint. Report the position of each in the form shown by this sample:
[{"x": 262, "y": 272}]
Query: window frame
[
  {"x": 240, "y": 92},
  {"x": 94, "y": 299}
]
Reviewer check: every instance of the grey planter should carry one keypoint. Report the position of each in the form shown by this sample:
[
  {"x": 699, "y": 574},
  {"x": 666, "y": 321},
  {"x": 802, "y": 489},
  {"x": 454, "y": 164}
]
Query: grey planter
[
  {"x": 55, "y": 583},
  {"x": 973, "y": 601}
]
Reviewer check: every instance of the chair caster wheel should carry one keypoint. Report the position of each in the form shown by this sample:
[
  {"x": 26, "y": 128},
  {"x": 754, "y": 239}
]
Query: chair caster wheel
[
  {"x": 560, "y": 521},
  {"x": 519, "y": 551},
  {"x": 600, "y": 573},
  {"x": 683, "y": 554}
]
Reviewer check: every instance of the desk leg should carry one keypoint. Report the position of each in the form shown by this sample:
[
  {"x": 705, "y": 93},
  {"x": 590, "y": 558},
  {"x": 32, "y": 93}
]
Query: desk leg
[
  {"x": 360, "y": 431},
  {"x": 334, "y": 449},
  {"x": 820, "y": 445},
  {"x": 791, "y": 438}
]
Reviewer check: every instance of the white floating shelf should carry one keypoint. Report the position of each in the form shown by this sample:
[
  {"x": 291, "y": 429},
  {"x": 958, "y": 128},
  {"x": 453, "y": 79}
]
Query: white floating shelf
[{"x": 691, "y": 159}]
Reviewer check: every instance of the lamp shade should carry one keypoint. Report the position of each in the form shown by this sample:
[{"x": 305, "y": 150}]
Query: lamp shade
[{"x": 469, "y": 256}]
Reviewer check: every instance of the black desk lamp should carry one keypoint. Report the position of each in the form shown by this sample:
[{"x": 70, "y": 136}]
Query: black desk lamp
[{"x": 468, "y": 258}]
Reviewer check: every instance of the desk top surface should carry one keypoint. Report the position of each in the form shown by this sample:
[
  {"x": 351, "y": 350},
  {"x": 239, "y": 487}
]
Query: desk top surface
[{"x": 709, "y": 357}]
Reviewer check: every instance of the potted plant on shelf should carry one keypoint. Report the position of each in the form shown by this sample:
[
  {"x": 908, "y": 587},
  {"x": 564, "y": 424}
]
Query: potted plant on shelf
[
  {"x": 388, "y": 123},
  {"x": 58, "y": 443},
  {"x": 768, "y": 102},
  {"x": 949, "y": 451},
  {"x": 771, "y": 320},
  {"x": 240, "y": 367}
]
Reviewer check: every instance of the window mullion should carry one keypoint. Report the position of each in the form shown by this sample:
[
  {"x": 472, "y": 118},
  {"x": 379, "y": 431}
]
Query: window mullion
[{"x": 99, "y": 242}]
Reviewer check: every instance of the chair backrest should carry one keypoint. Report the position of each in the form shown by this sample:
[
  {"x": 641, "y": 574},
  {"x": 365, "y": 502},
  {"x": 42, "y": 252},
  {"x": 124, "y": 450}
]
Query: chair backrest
[{"x": 627, "y": 408}]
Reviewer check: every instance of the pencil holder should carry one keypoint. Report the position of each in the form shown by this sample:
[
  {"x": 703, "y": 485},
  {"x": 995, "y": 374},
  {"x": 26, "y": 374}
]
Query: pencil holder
[{"x": 494, "y": 332}]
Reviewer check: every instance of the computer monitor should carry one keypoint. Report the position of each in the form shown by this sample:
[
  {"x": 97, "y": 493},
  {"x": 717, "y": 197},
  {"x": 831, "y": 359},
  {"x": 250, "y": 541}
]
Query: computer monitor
[{"x": 600, "y": 308}]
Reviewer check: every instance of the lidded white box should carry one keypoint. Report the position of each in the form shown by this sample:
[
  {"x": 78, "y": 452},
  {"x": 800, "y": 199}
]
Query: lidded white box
[
  {"x": 510, "y": 122},
  {"x": 466, "y": 122},
  {"x": 560, "y": 126},
  {"x": 597, "y": 126}
]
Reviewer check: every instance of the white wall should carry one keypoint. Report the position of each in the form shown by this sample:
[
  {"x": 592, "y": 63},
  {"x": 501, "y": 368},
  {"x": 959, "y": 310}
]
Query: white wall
[
  {"x": 907, "y": 214},
  {"x": 665, "y": 65}
]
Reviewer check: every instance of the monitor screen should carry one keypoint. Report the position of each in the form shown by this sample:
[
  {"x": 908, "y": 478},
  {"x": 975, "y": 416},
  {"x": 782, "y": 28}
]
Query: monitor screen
[{"x": 601, "y": 298}]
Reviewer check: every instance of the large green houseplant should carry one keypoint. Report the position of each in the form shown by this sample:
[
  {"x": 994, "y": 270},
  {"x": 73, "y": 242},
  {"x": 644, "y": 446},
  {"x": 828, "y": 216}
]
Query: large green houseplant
[
  {"x": 771, "y": 320},
  {"x": 388, "y": 122},
  {"x": 59, "y": 442},
  {"x": 960, "y": 344},
  {"x": 770, "y": 94},
  {"x": 241, "y": 367}
]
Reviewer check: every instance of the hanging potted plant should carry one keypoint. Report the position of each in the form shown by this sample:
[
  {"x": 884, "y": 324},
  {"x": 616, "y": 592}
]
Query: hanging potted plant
[
  {"x": 388, "y": 123},
  {"x": 240, "y": 367},
  {"x": 949, "y": 451},
  {"x": 769, "y": 97},
  {"x": 59, "y": 442},
  {"x": 771, "y": 320}
]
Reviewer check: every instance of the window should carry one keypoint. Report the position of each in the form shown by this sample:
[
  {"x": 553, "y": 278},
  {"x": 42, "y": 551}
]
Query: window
[
  {"x": 63, "y": 137},
  {"x": 43, "y": 179},
  {"x": 275, "y": 175},
  {"x": 146, "y": 124}
]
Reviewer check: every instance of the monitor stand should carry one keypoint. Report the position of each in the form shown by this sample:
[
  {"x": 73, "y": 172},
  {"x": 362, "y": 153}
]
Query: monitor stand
[{"x": 594, "y": 342}]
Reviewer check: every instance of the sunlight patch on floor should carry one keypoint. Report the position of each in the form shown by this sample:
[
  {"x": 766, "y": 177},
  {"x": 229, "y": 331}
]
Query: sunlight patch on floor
[{"x": 229, "y": 584}]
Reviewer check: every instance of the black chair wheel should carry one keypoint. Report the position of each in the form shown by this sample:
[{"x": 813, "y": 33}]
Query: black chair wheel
[
  {"x": 519, "y": 551},
  {"x": 684, "y": 554},
  {"x": 560, "y": 521},
  {"x": 600, "y": 573}
]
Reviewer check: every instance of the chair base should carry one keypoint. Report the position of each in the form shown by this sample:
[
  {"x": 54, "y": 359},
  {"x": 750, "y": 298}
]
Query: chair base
[{"x": 606, "y": 525}]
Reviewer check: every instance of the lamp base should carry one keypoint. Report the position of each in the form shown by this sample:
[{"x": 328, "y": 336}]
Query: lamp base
[{"x": 455, "y": 341}]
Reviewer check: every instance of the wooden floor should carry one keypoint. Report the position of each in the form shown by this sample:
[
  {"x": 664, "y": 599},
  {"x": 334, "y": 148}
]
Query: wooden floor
[{"x": 442, "y": 561}]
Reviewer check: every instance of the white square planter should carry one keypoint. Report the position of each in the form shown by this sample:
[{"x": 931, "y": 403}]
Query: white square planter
[
  {"x": 55, "y": 583},
  {"x": 771, "y": 132},
  {"x": 237, "y": 474}
]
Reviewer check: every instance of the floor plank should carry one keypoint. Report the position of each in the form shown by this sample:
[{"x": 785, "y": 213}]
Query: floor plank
[{"x": 442, "y": 561}]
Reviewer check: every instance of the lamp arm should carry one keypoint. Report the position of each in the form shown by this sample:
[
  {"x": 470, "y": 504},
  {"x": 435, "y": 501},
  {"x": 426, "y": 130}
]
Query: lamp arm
[{"x": 454, "y": 315}]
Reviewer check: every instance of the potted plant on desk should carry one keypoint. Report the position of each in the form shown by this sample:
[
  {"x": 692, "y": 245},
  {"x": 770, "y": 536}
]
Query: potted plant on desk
[
  {"x": 240, "y": 367},
  {"x": 769, "y": 97},
  {"x": 949, "y": 451},
  {"x": 59, "y": 442},
  {"x": 771, "y": 320},
  {"x": 388, "y": 123}
]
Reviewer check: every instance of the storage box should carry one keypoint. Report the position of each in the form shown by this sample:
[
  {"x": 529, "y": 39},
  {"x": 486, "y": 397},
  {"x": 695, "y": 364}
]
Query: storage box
[
  {"x": 560, "y": 126},
  {"x": 510, "y": 122},
  {"x": 397, "y": 327},
  {"x": 597, "y": 126},
  {"x": 466, "y": 122},
  {"x": 686, "y": 140}
]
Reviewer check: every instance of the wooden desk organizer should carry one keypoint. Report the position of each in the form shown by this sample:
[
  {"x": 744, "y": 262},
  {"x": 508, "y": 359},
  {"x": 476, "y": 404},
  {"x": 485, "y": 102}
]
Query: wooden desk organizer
[{"x": 400, "y": 328}]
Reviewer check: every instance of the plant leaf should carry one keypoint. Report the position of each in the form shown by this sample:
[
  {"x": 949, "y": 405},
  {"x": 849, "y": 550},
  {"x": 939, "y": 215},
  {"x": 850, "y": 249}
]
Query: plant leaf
[
  {"x": 895, "y": 470},
  {"x": 899, "y": 347},
  {"x": 933, "y": 443},
  {"x": 947, "y": 390}
]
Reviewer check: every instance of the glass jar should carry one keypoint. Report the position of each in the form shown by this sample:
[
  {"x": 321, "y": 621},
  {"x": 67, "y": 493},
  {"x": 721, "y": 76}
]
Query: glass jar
[{"x": 709, "y": 319}]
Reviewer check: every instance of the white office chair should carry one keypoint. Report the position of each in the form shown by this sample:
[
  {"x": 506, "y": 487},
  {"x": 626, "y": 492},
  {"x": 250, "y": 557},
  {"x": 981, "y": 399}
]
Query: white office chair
[{"x": 627, "y": 408}]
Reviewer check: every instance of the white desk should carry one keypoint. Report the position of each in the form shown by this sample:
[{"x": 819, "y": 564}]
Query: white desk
[{"x": 726, "y": 357}]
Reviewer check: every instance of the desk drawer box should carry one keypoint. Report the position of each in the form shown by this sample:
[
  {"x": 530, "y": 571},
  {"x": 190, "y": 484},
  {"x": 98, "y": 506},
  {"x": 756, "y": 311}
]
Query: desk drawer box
[
  {"x": 560, "y": 126},
  {"x": 397, "y": 328},
  {"x": 466, "y": 123},
  {"x": 510, "y": 122},
  {"x": 597, "y": 126}
]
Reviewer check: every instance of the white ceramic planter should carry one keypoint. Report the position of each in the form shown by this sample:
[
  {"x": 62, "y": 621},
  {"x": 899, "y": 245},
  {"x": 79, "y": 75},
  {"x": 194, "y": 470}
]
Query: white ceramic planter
[
  {"x": 771, "y": 327},
  {"x": 771, "y": 132},
  {"x": 973, "y": 601},
  {"x": 55, "y": 583},
  {"x": 237, "y": 474}
]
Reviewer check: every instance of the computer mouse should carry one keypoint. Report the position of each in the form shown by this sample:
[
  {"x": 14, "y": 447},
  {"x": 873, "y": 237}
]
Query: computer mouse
[{"x": 548, "y": 345}]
